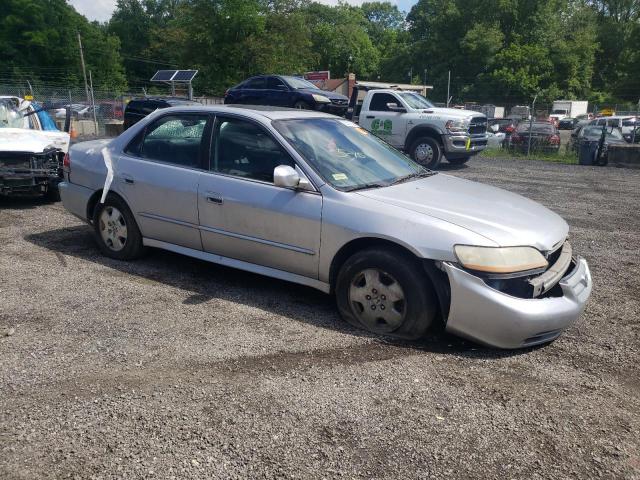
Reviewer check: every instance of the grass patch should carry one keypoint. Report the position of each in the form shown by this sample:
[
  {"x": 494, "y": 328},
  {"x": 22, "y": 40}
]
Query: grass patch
[{"x": 562, "y": 156}]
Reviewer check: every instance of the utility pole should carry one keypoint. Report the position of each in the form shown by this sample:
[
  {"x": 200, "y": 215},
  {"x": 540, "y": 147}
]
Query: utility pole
[
  {"x": 635, "y": 125},
  {"x": 425, "y": 82},
  {"x": 533, "y": 109},
  {"x": 448, "y": 88},
  {"x": 410, "y": 75},
  {"x": 84, "y": 70},
  {"x": 93, "y": 105}
]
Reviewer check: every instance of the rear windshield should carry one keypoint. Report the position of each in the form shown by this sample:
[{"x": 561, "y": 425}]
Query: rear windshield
[{"x": 537, "y": 128}]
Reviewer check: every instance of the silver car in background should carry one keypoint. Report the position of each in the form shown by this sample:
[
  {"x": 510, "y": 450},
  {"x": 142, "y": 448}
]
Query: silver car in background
[{"x": 314, "y": 199}]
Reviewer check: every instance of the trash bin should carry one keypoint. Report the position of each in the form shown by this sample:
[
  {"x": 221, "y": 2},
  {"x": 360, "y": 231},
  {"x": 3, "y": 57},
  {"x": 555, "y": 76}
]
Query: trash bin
[{"x": 587, "y": 153}]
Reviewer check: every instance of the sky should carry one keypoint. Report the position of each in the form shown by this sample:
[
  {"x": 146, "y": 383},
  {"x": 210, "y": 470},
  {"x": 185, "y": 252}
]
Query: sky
[{"x": 101, "y": 9}]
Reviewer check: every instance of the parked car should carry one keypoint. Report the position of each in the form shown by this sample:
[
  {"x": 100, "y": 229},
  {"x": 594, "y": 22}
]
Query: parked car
[
  {"x": 314, "y": 199},
  {"x": 411, "y": 123},
  {"x": 625, "y": 124},
  {"x": 544, "y": 137},
  {"x": 32, "y": 149},
  {"x": 111, "y": 110},
  {"x": 138, "y": 108},
  {"x": 631, "y": 138},
  {"x": 286, "y": 91},
  {"x": 567, "y": 123},
  {"x": 593, "y": 133},
  {"x": 505, "y": 125}
]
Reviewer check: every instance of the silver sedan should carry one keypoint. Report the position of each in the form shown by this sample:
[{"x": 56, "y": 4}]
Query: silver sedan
[{"x": 314, "y": 199}]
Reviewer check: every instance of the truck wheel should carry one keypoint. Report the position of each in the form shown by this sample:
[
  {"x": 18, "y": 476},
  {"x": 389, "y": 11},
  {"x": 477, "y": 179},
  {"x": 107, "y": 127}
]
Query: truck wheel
[
  {"x": 386, "y": 292},
  {"x": 300, "y": 105},
  {"x": 53, "y": 193},
  {"x": 458, "y": 161},
  {"x": 116, "y": 231},
  {"x": 427, "y": 152}
]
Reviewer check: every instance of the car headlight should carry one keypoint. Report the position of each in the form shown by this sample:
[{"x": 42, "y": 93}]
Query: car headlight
[
  {"x": 457, "y": 126},
  {"x": 500, "y": 259},
  {"x": 320, "y": 98}
]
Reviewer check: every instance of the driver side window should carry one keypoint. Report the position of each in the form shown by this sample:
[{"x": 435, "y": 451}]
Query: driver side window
[
  {"x": 380, "y": 100},
  {"x": 243, "y": 149}
]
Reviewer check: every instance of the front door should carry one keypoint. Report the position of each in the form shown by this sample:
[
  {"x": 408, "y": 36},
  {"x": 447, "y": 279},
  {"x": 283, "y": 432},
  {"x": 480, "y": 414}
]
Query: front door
[
  {"x": 158, "y": 176},
  {"x": 243, "y": 215},
  {"x": 381, "y": 121}
]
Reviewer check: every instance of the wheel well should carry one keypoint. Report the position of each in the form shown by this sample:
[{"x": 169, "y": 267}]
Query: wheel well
[
  {"x": 437, "y": 277},
  {"x": 93, "y": 202},
  {"x": 418, "y": 132}
]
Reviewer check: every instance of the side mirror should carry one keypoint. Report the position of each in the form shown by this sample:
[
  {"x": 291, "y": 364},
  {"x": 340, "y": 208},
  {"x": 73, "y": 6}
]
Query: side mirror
[
  {"x": 285, "y": 176},
  {"x": 395, "y": 108},
  {"x": 495, "y": 128}
]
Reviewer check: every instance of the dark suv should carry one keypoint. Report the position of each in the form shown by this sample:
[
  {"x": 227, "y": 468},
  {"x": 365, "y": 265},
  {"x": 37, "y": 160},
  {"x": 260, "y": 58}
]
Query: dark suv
[
  {"x": 138, "y": 108},
  {"x": 286, "y": 91}
]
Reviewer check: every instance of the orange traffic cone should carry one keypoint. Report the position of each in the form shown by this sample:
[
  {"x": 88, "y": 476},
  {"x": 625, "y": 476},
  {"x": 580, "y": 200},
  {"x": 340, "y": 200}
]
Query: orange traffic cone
[{"x": 73, "y": 133}]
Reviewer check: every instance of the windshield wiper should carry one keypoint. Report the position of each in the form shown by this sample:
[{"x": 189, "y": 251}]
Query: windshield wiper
[
  {"x": 366, "y": 185},
  {"x": 411, "y": 176}
]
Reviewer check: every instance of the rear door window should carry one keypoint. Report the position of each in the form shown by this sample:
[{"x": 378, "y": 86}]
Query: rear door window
[
  {"x": 175, "y": 139},
  {"x": 255, "y": 83}
]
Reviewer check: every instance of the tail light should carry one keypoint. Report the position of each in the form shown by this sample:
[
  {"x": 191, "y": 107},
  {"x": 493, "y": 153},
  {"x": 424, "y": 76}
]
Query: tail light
[
  {"x": 554, "y": 140},
  {"x": 509, "y": 129},
  {"x": 226, "y": 92},
  {"x": 66, "y": 163}
]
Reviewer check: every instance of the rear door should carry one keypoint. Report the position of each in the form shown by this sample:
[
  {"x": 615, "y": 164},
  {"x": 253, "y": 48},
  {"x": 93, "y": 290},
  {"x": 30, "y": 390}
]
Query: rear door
[
  {"x": 243, "y": 215},
  {"x": 158, "y": 175},
  {"x": 252, "y": 91}
]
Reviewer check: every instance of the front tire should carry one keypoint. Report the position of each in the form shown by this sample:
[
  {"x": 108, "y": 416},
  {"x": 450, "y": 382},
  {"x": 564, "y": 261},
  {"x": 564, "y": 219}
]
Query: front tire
[
  {"x": 116, "y": 231},
  {"x": 386, "y": 292},
  {"x": 427, "y": 152}
]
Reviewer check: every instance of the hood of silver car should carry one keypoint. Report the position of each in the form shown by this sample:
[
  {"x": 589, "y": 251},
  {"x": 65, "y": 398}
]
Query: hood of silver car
[{"x": 506, "y": 218}]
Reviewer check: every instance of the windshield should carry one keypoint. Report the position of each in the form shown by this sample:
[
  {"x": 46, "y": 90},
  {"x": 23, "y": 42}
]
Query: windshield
[
  {"x": 10, "y": 117},
  {"x": 560, "y": 112},
  {"x": 345, "y": 155},
  {"x": 298, "y": 83},
  {"x": 596, "y": 132},
  {"x": 415, "y": 101}
]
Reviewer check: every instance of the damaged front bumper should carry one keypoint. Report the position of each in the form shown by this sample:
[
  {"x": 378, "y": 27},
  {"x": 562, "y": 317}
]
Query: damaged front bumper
[
  {"x": 27, "y": 173},
  {"x": 498, "y": 319}
]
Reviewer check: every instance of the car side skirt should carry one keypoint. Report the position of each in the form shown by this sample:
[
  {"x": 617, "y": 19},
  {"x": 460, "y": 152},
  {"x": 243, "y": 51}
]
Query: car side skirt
[{"x": 239, "y": 264}]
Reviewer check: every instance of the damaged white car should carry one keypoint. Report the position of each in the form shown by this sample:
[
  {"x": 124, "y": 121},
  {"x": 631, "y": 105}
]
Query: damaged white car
[{"x": 32, "y": 149}]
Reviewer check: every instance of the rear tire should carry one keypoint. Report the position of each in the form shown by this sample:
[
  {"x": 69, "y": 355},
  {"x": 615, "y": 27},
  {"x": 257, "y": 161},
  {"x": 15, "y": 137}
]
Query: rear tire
[
  {"x": 458, "y": 161},
  {"x": 53, "y": 193},
  {"x": 386, "y": 292},
  {"x": 427, "y": 152},
  {"x": 116, "y": 231}
]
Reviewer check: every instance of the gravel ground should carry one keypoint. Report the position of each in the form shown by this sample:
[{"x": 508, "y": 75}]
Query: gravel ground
[{"x": 169, "y": 367}]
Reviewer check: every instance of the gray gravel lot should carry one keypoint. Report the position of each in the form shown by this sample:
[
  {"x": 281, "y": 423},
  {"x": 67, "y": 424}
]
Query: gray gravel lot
[{"x": 169, "y": 367}]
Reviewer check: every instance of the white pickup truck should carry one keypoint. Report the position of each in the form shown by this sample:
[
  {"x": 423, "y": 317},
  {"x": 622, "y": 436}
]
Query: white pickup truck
[{"x": 409, "y": 122}]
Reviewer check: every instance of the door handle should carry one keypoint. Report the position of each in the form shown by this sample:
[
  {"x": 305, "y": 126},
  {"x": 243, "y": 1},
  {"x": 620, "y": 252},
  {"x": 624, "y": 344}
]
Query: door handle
[
  {"x": 371, "y": 116},
  {"x": 213, "y": 197},
  {"x": 128, "y": 179}
]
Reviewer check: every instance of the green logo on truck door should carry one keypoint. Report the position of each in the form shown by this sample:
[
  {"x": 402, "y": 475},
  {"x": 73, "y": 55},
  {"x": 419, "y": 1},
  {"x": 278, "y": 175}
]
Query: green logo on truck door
[{"x": 381, "y": 127}]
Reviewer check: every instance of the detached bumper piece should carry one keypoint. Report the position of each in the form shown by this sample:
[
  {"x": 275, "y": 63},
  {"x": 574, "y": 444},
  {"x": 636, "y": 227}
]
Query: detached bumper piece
[
  {"x": 30, "y": 173},
  {"x": 508, "y": 319}
]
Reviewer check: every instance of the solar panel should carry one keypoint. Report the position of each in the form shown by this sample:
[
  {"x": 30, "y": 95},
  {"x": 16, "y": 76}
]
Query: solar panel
[
  {"x": 163, "y": 75},
  {"x": 184, "y": 75}
]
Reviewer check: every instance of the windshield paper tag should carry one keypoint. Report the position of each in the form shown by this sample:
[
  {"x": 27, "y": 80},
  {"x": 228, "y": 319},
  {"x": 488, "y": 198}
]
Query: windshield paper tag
[{"x": 339, "y": 176}]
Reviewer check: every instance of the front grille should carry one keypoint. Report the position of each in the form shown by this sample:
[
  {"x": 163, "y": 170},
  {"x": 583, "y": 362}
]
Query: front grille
[
  {"x": 339, "y": 102},
  {"x": 478, "y": 126}
]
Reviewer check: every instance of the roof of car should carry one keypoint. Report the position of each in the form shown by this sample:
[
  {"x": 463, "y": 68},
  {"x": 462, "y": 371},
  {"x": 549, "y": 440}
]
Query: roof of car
[{"x": 264, "y": 111}]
